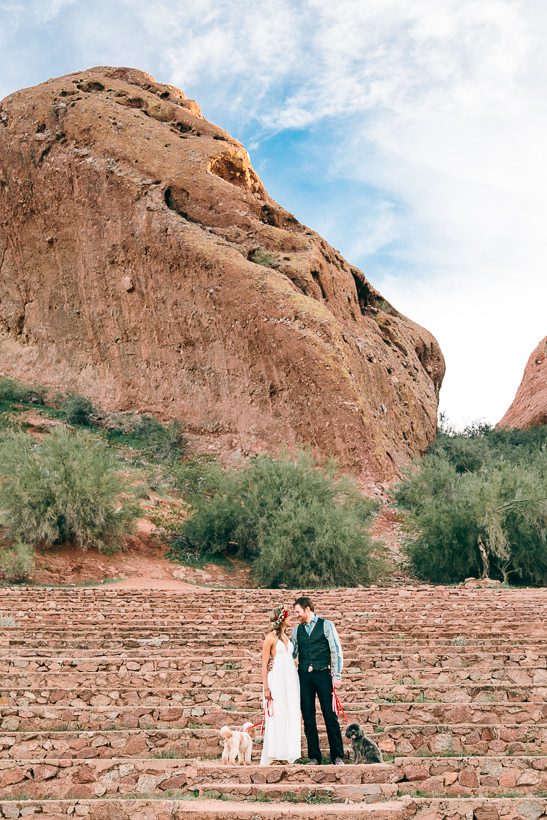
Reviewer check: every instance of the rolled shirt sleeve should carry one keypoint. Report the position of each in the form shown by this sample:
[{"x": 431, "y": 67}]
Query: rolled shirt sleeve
[{"x": 335, "y": 649}]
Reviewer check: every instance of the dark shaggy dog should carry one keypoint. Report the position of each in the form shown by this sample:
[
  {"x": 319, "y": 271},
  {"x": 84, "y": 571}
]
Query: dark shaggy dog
[{"x": 365, "y": 750}]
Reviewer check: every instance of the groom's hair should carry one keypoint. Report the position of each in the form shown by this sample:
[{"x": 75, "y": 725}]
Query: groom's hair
[{"x": 304, "y": 601}]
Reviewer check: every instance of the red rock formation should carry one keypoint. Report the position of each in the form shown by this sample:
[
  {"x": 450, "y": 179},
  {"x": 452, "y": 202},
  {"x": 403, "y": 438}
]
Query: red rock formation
[
  {"x": 143, "y": 264},
  {"x": 529, "y": 407}
]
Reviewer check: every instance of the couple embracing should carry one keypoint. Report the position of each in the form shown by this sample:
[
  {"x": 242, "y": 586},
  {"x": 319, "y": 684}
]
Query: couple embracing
[{"x": 315, "y": 643}]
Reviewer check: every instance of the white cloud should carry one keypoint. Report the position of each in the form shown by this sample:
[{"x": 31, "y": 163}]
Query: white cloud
[
  {"x": 437, "y": 106},
  {"x": 41, "y": 11},
  {"x": 447, "y": 116}
]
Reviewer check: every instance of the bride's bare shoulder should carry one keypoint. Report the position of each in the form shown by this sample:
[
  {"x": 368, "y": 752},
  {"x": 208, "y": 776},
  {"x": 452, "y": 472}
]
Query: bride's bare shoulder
[{"x": 270, "y": 637}]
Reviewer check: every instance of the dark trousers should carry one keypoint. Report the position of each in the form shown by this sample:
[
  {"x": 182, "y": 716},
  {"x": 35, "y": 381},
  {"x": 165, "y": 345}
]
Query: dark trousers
[{"x": 320, "y": 684}]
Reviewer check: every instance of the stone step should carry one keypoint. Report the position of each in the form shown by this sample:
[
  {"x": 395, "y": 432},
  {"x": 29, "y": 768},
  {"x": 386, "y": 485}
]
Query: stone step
[
  {"x": 381, "y": 626},
  {"x": 215, "y": 607},
  {"x": 397, "y": 637},
  {"x": 422, "y": 665},
  {"x": 151, "y": 656},
  {"x": 70, "y": 778},
  {"x": 373, "y": 620},
  {"x": 402, "y": 636},
  {"x": 463, "y": 739},
  {"x": 203, "y": 695},
  {"x": 366, "y": 644},
  {"x": 219, "y": 613},
  {"x": 257, "y": 612},
  {"x": 388, "y": 629},
  {"x": 211, "y": 809},
  {"x": 129, "y": 673},
  {"x": 42, "y": 718},
  {"x": 337, "y": 793},
  {"x": 406, "y": 808},
  {"x": 409, "y": 593},
  {"x": 407, "y": 596}
]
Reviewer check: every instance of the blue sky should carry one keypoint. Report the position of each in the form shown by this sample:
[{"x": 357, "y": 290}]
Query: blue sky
[{"x": 410, "y": 134}]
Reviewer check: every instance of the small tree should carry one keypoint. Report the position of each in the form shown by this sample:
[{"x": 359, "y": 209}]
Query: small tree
[
  {"x": 77, "y": 410},
  {"x": 156, "y": 441},
  {"x": 66, "y": 488},
  {"x": 297, "y": 522},
  {"x": 490, "y": 521},
  {"x": 160, "y": 441},
  {"x": 316, "y": 545}
]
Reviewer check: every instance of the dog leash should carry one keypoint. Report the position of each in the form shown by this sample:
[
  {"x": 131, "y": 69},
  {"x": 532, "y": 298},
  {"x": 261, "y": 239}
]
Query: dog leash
[
  {"x": 265, "y": 713},
  {"x": 337, "y": 707}
]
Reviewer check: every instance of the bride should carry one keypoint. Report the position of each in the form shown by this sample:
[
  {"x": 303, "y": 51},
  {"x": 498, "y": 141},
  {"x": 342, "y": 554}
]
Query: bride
[{"x": 281, "y": 694}]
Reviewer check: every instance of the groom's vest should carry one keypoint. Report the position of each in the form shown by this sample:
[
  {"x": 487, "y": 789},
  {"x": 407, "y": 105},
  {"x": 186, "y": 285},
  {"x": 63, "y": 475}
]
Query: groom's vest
[{"x": 314, "y": 649}]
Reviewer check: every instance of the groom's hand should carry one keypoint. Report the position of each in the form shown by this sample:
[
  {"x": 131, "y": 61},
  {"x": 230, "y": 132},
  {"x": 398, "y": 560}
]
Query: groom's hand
[
  {"x": 336, "y": 683},
  {"x": 270, "y": 665}
]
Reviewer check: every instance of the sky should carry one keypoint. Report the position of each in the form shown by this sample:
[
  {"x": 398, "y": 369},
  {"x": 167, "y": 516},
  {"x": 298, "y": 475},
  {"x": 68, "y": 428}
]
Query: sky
[{"x": 412, "y": 134}]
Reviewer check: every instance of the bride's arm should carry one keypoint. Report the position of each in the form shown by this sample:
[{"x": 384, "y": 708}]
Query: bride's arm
[{"x": 266, "y": 654}]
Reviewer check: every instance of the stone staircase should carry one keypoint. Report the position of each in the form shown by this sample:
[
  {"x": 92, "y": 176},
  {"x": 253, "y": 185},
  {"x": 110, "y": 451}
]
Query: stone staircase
[{"x": 110, "y": 702}]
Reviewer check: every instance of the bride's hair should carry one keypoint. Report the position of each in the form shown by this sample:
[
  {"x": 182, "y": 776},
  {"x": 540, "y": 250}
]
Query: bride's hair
[{"x": 278, "y": 618}]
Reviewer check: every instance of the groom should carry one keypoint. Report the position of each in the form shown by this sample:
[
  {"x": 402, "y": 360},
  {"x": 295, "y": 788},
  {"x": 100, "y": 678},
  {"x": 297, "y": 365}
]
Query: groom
[{"x": 320, "y": 661}]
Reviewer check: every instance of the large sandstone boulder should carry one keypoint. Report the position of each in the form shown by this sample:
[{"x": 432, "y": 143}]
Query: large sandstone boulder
[
  {"x": 143, "y": 264},
  {"x": 529, "y": 407}
]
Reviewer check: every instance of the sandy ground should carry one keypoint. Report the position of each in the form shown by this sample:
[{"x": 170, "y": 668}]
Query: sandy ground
[{"x": 141, "y": 565}]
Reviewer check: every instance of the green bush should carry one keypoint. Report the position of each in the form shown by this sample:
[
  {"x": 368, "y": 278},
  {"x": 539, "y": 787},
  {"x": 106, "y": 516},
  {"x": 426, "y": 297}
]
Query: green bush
[
  {"x": 66, "y": 488},
  {"x": 298, "y": 523},
  {"x": 164, "y": 442},
  {"x": 260, "y": 256},
  {"x": 476, "y": 505},
  {"x": 481, "y": 444},
  {"x": 156, "y": 441},
  {"x": 77, "y": 410},
  {"x": 17, "y": 562},
  {"x": 15, "y": 392}
]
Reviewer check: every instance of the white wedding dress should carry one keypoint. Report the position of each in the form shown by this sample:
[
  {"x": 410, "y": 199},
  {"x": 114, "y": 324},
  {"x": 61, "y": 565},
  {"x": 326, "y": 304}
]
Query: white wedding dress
[{"x": 282, "y": 730}]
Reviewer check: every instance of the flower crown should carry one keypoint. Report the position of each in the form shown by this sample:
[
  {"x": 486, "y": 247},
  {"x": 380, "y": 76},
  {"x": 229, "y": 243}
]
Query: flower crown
[{"x": 278, "y": 619}]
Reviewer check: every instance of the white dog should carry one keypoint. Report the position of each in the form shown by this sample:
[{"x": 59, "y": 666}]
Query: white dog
[{"x": 237, "y": 744}]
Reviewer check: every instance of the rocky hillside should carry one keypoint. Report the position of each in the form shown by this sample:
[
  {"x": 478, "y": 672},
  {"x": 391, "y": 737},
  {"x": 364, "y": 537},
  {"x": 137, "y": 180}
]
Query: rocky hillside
[
  {"x": 143, "y": 264},
  {"x": 529, "y": 407}
]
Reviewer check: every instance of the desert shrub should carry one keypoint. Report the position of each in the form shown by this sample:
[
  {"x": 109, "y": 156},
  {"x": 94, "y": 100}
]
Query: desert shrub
[
  {"x": 17, "y": 562},
  {"x": 77, "y": 410},
  {"x": 260, "y": 256},
  {"x": 161, "y": 441},
  {"x": 480, "y": 445},
  {"x": 66, "y": 488},
  {"x": 299, "y": 523},
  {"x": 15, "y": 392},
  {"x": 156, "y": 441},
  {"x": 472, "y": 512},
  {"x": 314, "y": 545}
]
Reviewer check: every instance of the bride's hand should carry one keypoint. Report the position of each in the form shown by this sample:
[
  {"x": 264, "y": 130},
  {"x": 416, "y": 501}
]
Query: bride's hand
[{"x": 268, "y": 694}]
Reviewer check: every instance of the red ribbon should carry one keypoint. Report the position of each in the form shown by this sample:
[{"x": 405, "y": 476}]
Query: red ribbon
[{"x": 337, "y": 707}]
